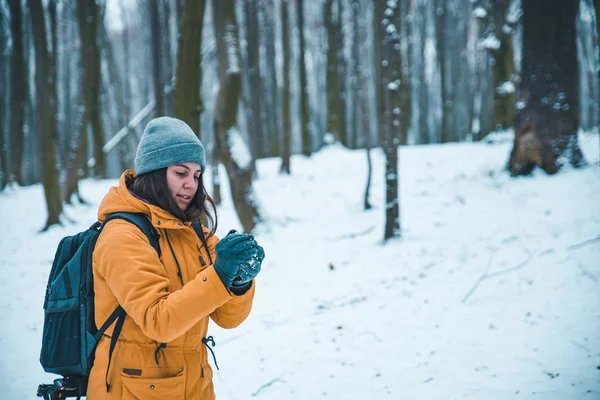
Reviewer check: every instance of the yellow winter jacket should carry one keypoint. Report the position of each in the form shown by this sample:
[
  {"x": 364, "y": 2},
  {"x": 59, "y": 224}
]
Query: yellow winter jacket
[{"x": 160, "y": 309}]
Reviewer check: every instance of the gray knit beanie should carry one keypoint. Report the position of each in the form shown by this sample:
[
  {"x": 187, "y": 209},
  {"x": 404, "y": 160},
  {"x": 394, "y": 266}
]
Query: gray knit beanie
[{"x": 167, "y": 141}]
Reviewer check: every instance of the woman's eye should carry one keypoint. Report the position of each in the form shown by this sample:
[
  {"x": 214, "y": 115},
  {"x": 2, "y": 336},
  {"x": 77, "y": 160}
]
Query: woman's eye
[
  {"x": 180, "y": 174},
  {"x": 197, "y": 178}
]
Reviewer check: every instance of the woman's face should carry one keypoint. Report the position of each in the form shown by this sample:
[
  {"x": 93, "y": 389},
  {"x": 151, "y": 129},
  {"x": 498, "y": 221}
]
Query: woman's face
[{"x": 183, "y": 180}]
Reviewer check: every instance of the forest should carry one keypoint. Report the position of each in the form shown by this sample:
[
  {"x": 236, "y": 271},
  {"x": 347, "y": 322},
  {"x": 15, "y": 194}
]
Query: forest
[{"x": 259, "y": 79}]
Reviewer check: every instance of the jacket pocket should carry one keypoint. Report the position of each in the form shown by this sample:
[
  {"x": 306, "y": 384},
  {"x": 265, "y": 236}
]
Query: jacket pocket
[{"x": 140, "y": 388}]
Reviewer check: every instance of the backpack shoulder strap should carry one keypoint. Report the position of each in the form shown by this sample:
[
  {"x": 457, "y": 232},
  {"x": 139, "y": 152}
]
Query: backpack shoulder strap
[
  {"x": 141, "y": 221},
  {"x": 200, "y": 232}
]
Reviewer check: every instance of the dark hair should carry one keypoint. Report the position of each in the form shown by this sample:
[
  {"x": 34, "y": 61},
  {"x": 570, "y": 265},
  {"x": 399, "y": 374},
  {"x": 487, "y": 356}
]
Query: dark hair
[{"x": 152, "y": 187}]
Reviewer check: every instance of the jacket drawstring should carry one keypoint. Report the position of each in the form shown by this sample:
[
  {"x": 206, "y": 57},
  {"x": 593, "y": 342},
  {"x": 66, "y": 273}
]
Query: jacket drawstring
[
  {"x": 157, "y": 351},
  {"x": 212, "y": 341}
]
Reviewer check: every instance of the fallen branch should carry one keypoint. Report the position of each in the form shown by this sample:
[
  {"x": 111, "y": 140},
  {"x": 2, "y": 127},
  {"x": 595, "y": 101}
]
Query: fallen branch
[
  {"x": 266, "y": 385},
  {"x": 580, "y": 245},
  {"x": 352, "y": 235},
  {"x": 486, "y": 275}
]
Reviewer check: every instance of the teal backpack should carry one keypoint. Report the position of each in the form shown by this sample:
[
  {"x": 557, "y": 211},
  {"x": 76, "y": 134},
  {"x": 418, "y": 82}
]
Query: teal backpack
[{"x": 70, "y": 335}]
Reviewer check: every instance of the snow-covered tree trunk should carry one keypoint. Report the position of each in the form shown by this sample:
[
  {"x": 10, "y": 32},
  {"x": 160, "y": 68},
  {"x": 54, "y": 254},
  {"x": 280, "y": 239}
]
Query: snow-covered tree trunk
[
  {"x": 230, "y": 145},
  {"x": 45, "y": 103},
  {"x": 287, "y": 122},
  {"x": 391, "y": 62},
  {"x": 188, "y": 100},
  {"x": 548, "y": 100},
  {"x": 19, "y": 92}
]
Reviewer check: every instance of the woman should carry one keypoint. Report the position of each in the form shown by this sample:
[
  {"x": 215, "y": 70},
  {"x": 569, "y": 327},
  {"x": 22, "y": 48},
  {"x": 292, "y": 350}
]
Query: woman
[{"x": 161, "y": 352}]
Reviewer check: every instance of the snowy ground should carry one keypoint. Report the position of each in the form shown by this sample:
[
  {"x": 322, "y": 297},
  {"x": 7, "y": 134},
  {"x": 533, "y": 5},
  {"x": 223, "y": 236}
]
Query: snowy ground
[{"x": 339, "y": 315}]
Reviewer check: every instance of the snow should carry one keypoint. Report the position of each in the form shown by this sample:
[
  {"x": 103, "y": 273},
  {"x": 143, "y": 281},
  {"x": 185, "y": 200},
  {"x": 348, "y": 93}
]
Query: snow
[
  {"x": 479, "y": 12},
  {"x": 239, "y": 151},
  {"x": 339, "y": 314},
  {"x": 490, "y": 42},
  {"x": 231, "y": 42},
  {"x": 506, "y": 87}
]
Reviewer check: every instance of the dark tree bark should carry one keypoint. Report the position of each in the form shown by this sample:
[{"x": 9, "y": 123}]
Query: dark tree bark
[
  {"x": 95, "y": 90},
  {"x": 89, "y": 108},
  {"x": 597, "y": 9},
  {"x": 45, "y": 103},
  {"x": 255, "y": 129},
  {"x": 361, "y": 99},
  {"x": 19, "y": 92},
  {"x": 504, "y": 96},
  {"x": 335, "y": 110},
  {"x": 156, "y": 57},
  {"x": 304, "y": 106},
  {"x": 287, "y": 125},
  {"x": 4, "y": 165},
  {"x": 390, "y": 86},
  {"x": 188, "y": 100},
  {"x": 230, "y": 146},
  {"x": 547, "y": 119},
  {"x": 405, "y": 87},
  {"x": 270, "y": 118}
]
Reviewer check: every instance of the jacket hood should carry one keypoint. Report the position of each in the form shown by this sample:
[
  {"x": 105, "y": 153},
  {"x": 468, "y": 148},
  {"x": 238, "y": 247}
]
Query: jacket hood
[{"x": 120, "y": 199}]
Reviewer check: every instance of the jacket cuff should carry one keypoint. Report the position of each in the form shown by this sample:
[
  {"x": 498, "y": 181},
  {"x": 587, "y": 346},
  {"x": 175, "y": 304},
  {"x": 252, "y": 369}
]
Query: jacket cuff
[{"x": 240, "y": 290}]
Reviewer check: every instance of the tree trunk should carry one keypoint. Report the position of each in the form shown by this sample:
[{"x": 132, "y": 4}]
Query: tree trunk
[
  {"x": 270, "y": 120},
  {"x": 232, "y": 149},
  {"x": 45, "y": 103},
  {"x": 19, "y": 92},
  {"x": 335, "y": 116},
  {"x": 87, "y": 22},
  {"x": 4, "y": 165},
  {"x": 253, "y": 50},
  {"x": 504, "y": 94},
  {"x": 405, "y": 86},
  {"x": 155, "y": 33},
  {"x": 304, "y": 106},
  {"x": 188, "y": 97},
  {"x": 378, "y": 15},
  {"x": 391, "y": 73},
  {"x": 95, "y": 62},
  {"x": 597, "y": 9},
  {"x": 548, "y": 104},
  {"x": 287, "y": 126},
  {"x": 361, "y": 99}
]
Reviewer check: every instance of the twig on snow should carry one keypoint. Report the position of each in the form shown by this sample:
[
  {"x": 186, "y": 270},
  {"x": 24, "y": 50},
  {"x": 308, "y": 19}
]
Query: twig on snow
[
  {"x": 580, "y": 245},
  {"x": 266, "y": 385},
  {"x": 486, "y": 275},
  {"x": 352, "y": 235}
]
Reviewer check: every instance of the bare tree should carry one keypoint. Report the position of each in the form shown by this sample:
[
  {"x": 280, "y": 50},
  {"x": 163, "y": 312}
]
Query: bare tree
[
  {"x": 88, "y": 16},
  {"x": 336, "y": 116},
  {"x": 361, "y": 99},
  {"x": 188, "y": 100},
  {"x": 548, "y": 99},
  {"x": 304, "y": 107},
  {"x": 390, "y": 86},
  {"x": 156, "y": 57},
  {"x": 255, "y": 130},
  {"x": 502, "y": 53},
  {"x": 230, "y": 145},
  {"x": 378, "y": 15},
  {"x": 45, "y": 103},
  {"x": 287, "y": 126},
  {"x": 19, "y": 92},
  {"x": 4, "y": 165}
]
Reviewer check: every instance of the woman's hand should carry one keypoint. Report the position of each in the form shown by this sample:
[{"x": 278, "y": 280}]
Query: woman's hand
[{"x": 231, "y": 252}]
